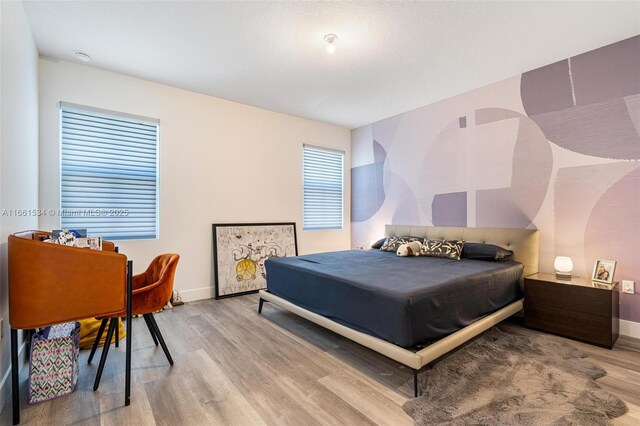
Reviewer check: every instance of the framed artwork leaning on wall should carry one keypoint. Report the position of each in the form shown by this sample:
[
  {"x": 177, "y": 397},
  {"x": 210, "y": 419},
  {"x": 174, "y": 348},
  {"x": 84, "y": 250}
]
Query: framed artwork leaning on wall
[{"x": 240, "y": 250}]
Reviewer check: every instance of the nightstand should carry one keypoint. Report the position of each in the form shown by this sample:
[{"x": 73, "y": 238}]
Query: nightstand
[{"x": 577, "y": 308}]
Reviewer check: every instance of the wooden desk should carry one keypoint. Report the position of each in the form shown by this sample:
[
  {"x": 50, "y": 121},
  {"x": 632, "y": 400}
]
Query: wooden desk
[{"x": 51, "y": 284}]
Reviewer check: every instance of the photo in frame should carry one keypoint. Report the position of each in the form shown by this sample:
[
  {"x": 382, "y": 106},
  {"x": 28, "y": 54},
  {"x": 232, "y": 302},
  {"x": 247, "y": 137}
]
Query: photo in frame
[
  {"x": 603, "y": 271},
  {"x": 240, "y": 250}
]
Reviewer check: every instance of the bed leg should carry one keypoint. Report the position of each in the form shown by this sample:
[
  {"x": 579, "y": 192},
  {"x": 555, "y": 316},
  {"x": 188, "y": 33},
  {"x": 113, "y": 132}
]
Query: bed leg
[
  {"x": 260, "y": 305},
  {"x": 415, "y": 383}
]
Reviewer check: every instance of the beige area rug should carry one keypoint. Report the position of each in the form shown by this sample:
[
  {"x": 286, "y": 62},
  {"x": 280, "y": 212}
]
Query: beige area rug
[{"x": 507, "y": 379}]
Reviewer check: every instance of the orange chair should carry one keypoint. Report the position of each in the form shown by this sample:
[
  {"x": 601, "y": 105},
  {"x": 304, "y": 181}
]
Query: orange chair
[{"x": 152, "y": 290}]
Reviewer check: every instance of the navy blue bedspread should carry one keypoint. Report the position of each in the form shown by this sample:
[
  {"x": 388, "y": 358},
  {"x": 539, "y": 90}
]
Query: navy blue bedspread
[{"x": 404, "y": 300}]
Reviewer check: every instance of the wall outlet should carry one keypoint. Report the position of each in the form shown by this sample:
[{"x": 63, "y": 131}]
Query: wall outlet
[{"x": 628, "y": 286}]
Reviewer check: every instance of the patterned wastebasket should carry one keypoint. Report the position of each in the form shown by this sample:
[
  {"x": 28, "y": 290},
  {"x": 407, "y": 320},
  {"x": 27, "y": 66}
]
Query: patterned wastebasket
[{"x": 53, "y": 370}]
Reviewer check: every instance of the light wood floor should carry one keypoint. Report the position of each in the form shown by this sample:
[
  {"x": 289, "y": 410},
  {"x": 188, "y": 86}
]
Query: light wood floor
[{"x": 235, "y": 367}]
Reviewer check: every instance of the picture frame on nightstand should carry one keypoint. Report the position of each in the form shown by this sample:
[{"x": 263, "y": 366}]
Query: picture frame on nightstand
[
  {"x": 601, "y": 286},
  {"x": 603, "y": 271}
]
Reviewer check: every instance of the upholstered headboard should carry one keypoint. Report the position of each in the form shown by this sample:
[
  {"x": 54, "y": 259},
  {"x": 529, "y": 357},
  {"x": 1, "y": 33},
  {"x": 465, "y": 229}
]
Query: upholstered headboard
[{"x": 523, "y": 242}]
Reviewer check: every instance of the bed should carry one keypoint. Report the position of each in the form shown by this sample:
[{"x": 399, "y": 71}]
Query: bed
[{"x": 391, "y": 304}]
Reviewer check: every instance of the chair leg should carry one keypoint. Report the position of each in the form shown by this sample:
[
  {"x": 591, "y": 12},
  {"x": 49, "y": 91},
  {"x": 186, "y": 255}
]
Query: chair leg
[
  {"x": 118, "y": 334},
  {"x": 105, "y": 351},
  {"x": 150, "y": 327},
  {"x": 156, "y": 330},
  {"x": 97, "y": 341}
]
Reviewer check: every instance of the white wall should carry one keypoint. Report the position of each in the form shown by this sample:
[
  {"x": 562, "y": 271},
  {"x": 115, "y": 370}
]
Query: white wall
[
  {"x": 220, "y": 162},
  {"x": 18, "y": 148}
]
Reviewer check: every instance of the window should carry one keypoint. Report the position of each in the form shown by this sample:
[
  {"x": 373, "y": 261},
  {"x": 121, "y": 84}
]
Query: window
[
  {"x": 109, "y": 173},
  {"x": 322, "y": 187}
]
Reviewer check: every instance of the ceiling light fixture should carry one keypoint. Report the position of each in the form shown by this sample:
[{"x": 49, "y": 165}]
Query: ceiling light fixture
[
  {"x": 82, "y": 56},
  {"x": 330, "y": 40}
]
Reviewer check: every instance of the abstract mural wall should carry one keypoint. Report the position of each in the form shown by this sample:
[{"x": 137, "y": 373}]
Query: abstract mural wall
[{"x": 555, "y": 149}]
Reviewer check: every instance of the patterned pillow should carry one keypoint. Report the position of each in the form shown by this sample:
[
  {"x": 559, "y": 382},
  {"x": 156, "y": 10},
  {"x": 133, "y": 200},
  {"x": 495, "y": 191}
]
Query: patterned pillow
[
  {"x": 450, "y": 249},
  {"x": 392, "y": 243}
]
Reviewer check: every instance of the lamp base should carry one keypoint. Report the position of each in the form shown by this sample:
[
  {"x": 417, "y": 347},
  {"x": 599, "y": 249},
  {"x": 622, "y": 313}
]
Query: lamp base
[{"x": 563, "y": 275}]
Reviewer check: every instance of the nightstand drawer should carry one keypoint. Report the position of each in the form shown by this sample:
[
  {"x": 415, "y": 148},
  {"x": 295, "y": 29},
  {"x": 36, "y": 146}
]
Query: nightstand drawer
[
  {"x": 575, "y": 325},
  {"x": 590, "y": 301}
]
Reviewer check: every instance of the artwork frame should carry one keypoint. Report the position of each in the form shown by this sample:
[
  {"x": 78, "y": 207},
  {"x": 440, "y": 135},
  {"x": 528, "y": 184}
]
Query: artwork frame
[
  {"x": 240, "y": 250},
  {"x": 605, "y": 275}
]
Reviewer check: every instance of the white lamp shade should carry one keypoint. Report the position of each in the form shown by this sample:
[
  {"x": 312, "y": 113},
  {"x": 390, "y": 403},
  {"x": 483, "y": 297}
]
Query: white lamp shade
[{"x": 563, "y": 265}]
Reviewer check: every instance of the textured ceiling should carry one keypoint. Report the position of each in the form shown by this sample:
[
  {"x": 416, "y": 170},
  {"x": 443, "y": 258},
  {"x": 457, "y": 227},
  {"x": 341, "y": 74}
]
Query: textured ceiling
[{"x": 391, "y": 56}]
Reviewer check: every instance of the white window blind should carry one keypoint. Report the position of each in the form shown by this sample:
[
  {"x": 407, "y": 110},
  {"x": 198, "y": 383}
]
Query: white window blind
[
  {"x": 109, "y": 173},
  {"x": 322, "y": 186}
]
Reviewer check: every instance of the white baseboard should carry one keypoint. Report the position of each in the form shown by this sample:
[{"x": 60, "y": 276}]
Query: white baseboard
[
  {"x": 197, "y": 294},
  {"x": 5, "y": 385},
  {"x": 630, "y": 328}
]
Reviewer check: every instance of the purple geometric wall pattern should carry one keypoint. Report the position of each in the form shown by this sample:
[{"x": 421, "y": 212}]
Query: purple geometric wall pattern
[
  {"x": 547, "y": 89},
  {"x": 580, "y": 104},
  {"x": 450, "y": 209},
  {"x": 384, "y": 131},
  {"x": 362, "y": 148},
  {"x": 413, "y": 131},
  {"x": 367, "y": 186},
  {"x": 495, "y": 209},
  {"x": 379, "y": 153},
  {"x": 633, "y": 106},
  {"x": 403, "y": 206},
  {"x": 604, "y": 129},
  {"x": 490, "y": 115},
  {"x": 367, "y": 191},
  {"x": 583, "y": 117},
  {"x": 577, "y": 190},
  {"x": 531, "y": 168},
  {"x": 493, "y": 160},
  {"x": 410, "y": 135},
  {"x": 602, "y": 74},
  {"x": 610, "y": 72},
  {"x": 443, "y": 168},
  {"x": 613, "y": 232}
]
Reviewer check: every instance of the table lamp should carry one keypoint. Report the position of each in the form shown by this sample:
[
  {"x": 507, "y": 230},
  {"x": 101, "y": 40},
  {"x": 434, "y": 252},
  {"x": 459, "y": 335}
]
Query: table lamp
[{"x": 563, "y": 266}]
